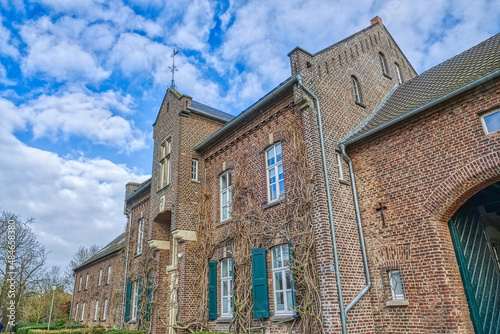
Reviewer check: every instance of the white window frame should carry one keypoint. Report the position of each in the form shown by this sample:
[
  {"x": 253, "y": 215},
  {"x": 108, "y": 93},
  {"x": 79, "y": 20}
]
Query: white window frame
[
  {"x": 100, "y": 278},
  {"x": 108, "y": 279},
  {"x": 483, "y": 121},
  {"x": 96, "y": 313},
  {"x": 383, "y": 63},
  {"x": 140, "y": 236},
  {"x": 355, "y": 89},
  {"x": 282, "y": 268},
  {"x": 395, "y": 294},
  {"x": 398, "y": 72},
  {"x": 83, "y": 312},
  {"x": 164, "y": 165},
  {"x": 135, "y": 300},
  {"x": 76, "y": 312},
  {"x": 87, "y": 282},
  {"x": 226, "y": 300},
  {"x": 80, "y": 286},
  {"x": 225, "y": 193},
  {"x": 105, "y": 311},
  {"x": 339, "y": 166},
  {"x": 194, "y": 169},
  {"x": 274, "y": 167}
]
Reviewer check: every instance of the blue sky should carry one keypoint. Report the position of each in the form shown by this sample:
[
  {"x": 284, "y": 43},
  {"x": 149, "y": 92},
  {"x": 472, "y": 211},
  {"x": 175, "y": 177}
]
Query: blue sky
[{"x": 81, "y": 82}]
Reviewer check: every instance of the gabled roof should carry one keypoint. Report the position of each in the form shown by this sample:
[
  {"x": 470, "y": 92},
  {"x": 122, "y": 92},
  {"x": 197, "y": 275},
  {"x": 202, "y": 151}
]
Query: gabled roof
[
  {"x": 197, "y": 106},
  {"x": 452, "y": 77},
  {"x": 114, "y": 246}
]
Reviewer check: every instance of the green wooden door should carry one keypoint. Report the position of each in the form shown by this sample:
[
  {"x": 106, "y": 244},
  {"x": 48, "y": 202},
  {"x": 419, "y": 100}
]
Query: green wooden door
[{"x": 478, "y": 268}]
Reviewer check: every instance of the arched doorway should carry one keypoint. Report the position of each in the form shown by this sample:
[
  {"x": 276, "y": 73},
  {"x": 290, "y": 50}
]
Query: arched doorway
[{"x": 475, "y": 231}]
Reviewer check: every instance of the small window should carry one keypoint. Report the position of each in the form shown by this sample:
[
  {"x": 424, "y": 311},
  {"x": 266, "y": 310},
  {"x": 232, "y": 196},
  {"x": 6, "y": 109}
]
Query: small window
[
  {"x": 87, "y": 282},
  {"x": 392, "y": 280},
  {"x": 109, "y": 275},
  {"x": 100, "y": 278},
  {"x": 339, "y": 166},
  {"x": 164, "y": 164},
  {"x": 135, "y": 300},
  {"x": 83, "y": 311},
  {"x": 383, "y": 63},
  {"x": 275, "y": 176},
  {"x": 491, "y": 121},
  {"x": 96, "y": 313},
  {"x": 226, "y": 281},
  {"x": 76, "y": 312},
  {"x": 140, "y": 236},
  {"x": 225, "y": 196},
  {"x": 398, "y": 72},
  {"x": 355, "y": 89},
  {"x": 282, "y": 281},
  {"x": 80, "y": 286},
  {"x": 105, "y": 311},
  {"x": 194, "y": 170}
]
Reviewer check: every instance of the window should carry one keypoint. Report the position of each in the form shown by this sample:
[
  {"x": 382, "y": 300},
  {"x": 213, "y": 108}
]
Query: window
[
  {"x": 164, "y": 166},
  {"x": 275, "y": 177},
  {"x": 83, "y": 311},
  {"x": 355, "y": 90},
  {"x": 108, "y": 280},
  {"x": 396, "y": 285},
  {"x": 135, "y": 300},
  {"x": 100, "y": 278},
  {"x": 76, "y": 312},
  {"x": 383, "y": 63},
  {"x": 96, "y": 313},
  {"x": 226, "y": 281},
  {"x": 225, "y": 196},
  {"x": 194, "y": 170},
  {"x": 140, "y": 236},
  {"x": 282, "y": 281},
  {"x": 339, "y": 166},
  {"x": 398, "y": 72},
  {"x": 80, "y": 286},
  {"x": 105, "y": 311},
  {"x": 393, "y": 283},
  {"x": 87, "y": 282},
  {"x": 491, "y": 121}
]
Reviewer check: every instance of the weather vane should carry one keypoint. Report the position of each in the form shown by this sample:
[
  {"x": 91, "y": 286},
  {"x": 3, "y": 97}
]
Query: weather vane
[{"x": 173, "y": 68}]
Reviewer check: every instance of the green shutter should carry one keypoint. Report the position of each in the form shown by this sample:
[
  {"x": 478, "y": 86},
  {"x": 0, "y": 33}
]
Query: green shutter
[
  {"x": 149, "y": 296},
  {"x": 294, "y": 298},
  {"x": 212, "y": 290},
  {"x": 139, "y": 282},
  {"x": 127, "y": 301},
  {"x": 259, "y": 281}
]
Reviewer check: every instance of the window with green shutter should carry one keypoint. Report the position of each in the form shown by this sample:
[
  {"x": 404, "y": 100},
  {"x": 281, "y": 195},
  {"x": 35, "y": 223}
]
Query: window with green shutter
[
  {"x": 259, "y": 282},
  {"x": 212, "y": 290},
  {"x": 127, "y": 301}
]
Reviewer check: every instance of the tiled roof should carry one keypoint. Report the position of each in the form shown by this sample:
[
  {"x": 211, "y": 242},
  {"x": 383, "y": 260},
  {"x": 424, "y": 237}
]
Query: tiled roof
[
  {"x": 212, "y": 111},
  {"x": 445, "y": 78},
  {"x": 117, "y": 244}
]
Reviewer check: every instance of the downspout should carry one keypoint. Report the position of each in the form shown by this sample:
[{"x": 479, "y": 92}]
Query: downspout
[
  {"x": 72, "y": 298},
  {"x": 330, "y": 209},
  {"x": 129, "y": 214},
  {"x": 360, "y": 231}
]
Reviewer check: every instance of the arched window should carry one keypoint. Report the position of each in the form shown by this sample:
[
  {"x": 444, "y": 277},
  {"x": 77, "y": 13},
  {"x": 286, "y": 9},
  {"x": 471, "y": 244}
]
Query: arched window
[
  {"x": 383, "y": 63},
  {"x": 355, "y": 89},
  {"x": 398, "y": 71}
]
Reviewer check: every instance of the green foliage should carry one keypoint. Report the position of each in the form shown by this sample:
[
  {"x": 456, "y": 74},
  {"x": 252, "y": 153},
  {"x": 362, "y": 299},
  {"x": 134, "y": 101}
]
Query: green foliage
[
  {"x": 83, "y": 330},
  {"x": 59, "y": 322},
  {"x": 24, "y": 328}
]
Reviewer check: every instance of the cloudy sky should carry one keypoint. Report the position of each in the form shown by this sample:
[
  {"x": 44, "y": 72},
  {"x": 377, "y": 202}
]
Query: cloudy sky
[{"x": 81, "y": 82}]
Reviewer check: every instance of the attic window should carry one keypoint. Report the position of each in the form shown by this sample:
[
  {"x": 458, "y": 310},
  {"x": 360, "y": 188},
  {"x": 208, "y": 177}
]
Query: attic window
[
  {"x": 383, "y": 63},
  {"x": 356, "y": 91},
  {"x": 491, "y": 121},
  {"x": 398, "y": 72}
]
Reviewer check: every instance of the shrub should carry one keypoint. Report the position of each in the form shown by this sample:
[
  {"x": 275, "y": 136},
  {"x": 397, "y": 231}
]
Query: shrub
[{"x": 59, "y": 322}]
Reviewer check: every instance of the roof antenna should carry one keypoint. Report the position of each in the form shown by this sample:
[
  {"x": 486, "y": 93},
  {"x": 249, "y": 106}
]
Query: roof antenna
[{"x": 173, "y": 68}]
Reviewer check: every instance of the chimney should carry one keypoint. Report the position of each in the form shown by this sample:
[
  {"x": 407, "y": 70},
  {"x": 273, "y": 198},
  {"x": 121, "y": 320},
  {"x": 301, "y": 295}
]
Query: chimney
[
  {"x": 376, "y": 19},
  {"x": 130, "y": 188}
]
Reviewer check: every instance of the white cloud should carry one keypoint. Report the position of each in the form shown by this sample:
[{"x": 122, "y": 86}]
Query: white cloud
[{"x": 6, "y": 47}]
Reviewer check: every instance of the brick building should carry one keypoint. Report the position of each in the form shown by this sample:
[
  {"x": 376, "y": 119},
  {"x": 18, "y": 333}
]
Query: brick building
[{"x": 357, "y": 196}]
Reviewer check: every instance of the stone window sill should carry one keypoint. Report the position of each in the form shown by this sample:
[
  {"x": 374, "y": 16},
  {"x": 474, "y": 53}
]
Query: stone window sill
[
  {"x": 282, "y": 318},
  {"x": 347, "y": 183},
  {"x": 360, "y": 104},
  {"x": 397, "y": 302},
  {"x": 224, "y": 320},
  {"x": 273, "y": 203}
]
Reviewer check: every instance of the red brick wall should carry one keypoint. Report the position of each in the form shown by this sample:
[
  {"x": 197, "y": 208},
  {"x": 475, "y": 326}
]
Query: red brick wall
[{"x": 423, "y": 170}]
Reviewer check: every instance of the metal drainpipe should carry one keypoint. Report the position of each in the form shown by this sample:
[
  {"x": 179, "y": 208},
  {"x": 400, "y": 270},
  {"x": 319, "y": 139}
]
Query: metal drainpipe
[
  {"x": 360, "y": 231},
  {"x": 72, "y": 298},
  {"x": 330, "y": 209},
  {"x": 129, "y": 214}
]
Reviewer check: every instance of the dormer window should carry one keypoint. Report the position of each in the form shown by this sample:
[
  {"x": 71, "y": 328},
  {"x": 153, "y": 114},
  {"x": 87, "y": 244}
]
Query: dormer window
[
  {"x": 356, "y": 91},
  {"x": 383, "y": 63}
]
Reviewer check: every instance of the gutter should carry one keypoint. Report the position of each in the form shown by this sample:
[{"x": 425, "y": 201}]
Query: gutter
[
  {"x": 236, "y": 122},
  {"x": 203, "y": 113},
  {"x": 348, "y": 141},
  {"x": 124, "y": 293}
]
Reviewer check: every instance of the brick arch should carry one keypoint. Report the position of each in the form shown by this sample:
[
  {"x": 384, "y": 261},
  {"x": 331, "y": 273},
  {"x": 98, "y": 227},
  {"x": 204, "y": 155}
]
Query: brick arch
[{"x": 448, "y": 196}]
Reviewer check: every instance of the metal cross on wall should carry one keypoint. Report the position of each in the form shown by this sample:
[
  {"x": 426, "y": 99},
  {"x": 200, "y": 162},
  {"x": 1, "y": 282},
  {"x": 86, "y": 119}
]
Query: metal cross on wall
[
  {"x": 173, "y": 68},
  {"x": 382, "y": 208}
]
